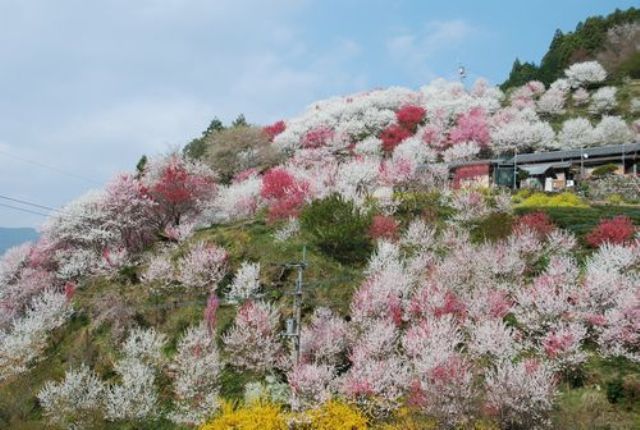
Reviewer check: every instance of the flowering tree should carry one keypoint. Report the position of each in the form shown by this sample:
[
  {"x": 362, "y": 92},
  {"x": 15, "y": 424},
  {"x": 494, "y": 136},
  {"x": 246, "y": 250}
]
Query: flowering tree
[
  {"x": 285, "y": 194},
  {"x": 24, "y": 342},
  {"x": 275, "y": 129},
  {"x": 323, "y": 340},
  {"x": 471, "y": 126},
  {"x": 612, "y": 130},
  {"x": 383, "y": 227},
  {"x": 617, "y": 230},
  {"x": 203, "y": 267},
  {"x": 129, "y": 209},
  {"x": 576, "y": 133},
  {"x": 178, "y": 186},
  {"x": 195, "y": 368},
  {"x": 410, "y": 116},
  {"x": 392, "y": 136},
  {"x": 588, "y": 72},
  {"x": 521, "y": 394},
  {"x": 246, "y": 282},
  {"x": 253, "y": 340},
  {"x": 310, "y": 384},
  {"x": 552, "y": 102},
  {"x": 539, "y": 222},
  {"x": 580, "y": 97},
  {"x": 75, "y": 401},
  {"x": 136, "y": 397},
  {"x": 603, "y": 100}
]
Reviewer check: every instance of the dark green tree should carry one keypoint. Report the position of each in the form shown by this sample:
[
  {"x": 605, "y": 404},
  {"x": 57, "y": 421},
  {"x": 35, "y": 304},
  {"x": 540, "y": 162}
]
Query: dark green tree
[
  {"x": 141, "y": 165},
  {"x": 240, "y": 121}
]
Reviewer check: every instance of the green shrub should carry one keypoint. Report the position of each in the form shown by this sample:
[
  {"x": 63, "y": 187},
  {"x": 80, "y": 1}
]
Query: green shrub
[
  {"x": 615, "y": 199},
  {"x": 494, "y": 227},
  {"x": 605, "y": 170},
  {"x": 338, "y": 228},
  {"x": 615, "y": 390},
  {"x": 428, "y": 205}
]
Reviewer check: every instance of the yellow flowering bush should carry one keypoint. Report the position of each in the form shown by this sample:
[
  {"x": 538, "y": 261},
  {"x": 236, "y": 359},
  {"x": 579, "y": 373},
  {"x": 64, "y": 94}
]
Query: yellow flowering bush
[
  {"x": 565, "y": 199},
  {"x": 335, "y": 415},
  {"x": 257, "y": 416}
]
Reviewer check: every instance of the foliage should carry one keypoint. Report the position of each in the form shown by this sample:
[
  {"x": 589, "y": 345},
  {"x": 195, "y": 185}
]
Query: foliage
[
  {"x": 236, "y": 149},
  {"x": 496, "y": 226},
  {"x": 338, "y": 228},
  {"x": 605, "y": 170},
  {"x": 585, "y": 42},
  {"x": 581, "y": 220}
]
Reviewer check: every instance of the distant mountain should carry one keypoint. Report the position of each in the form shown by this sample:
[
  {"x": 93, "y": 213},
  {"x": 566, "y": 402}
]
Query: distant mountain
[{"x": 15, "y": 236}]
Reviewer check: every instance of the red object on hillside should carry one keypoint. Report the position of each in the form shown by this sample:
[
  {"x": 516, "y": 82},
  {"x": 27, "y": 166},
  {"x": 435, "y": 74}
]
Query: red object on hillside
[
  {"x": 286, "y": 195},
  {"x": 317, "y": 137},
  {"x": 392, "y": 136},
  {"x": 274, "y": 129},
  {"x": 616, "y": 230},
  {"x": 538, "y": 222},
  {"x": 383, "y": 227},
  {"x": 179, "y": 191},
  {"x": 410, "y": 116}
]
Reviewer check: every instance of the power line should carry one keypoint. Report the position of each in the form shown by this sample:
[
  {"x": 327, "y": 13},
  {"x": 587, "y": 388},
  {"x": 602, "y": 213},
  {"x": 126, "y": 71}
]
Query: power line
[
  {"x": 23, "y": 210},
  {"x": 25, "y": 202},
  {"x": 52, "y": 168}
]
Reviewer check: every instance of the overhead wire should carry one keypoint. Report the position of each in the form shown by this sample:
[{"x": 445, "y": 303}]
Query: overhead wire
[
  {"x": 49, "y": 167},
  {"x": 23, "y": 210},
  {"x": 25, "y": 202}
]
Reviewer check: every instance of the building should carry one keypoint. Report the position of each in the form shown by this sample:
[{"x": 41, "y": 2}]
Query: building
[{"x": 549, "y": 171}]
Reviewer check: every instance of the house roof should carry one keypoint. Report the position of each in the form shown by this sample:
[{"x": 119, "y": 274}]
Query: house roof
[
  {"x": 539, "y": 169},
  {"x": 601, "y": 151}
]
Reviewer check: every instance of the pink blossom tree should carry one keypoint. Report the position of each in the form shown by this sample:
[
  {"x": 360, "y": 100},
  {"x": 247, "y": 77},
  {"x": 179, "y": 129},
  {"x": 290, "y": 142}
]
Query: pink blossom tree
[{"x": 253, "y": 341}]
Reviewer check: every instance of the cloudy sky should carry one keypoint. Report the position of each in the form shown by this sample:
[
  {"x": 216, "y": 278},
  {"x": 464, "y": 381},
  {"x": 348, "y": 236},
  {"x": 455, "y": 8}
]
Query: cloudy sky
[{"x": 87, "y": 87}]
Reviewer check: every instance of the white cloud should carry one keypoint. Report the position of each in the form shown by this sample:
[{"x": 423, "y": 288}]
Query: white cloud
[{"x": 91, "y": 86}]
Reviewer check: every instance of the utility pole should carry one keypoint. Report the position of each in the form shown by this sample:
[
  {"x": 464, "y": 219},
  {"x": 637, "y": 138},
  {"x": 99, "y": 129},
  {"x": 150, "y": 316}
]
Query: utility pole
[
  {"x": 293, "y": 324},
  {"x": 515, "y": 167}
]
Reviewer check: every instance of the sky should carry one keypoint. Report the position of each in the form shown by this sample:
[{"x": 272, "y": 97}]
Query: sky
[{"x": 87, "y": 87}]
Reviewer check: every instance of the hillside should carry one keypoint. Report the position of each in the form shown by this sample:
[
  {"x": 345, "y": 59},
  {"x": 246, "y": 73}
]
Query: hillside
[
  {"x": 170, "y": 299},
  {"x": 10, "y": 237},
  {"x": 612, "y": 40}
]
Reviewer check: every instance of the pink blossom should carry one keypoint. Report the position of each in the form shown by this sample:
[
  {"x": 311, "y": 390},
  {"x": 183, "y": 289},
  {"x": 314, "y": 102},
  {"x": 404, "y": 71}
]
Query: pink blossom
[{"x": 471, "y": 126}]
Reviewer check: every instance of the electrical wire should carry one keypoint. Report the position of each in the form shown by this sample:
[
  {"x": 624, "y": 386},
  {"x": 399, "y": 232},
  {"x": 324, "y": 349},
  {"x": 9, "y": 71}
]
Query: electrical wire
[
  {"x": 24, "y": 210},
  {"x": 25, "y": 202},
  {"x": 52, "y": 168}
]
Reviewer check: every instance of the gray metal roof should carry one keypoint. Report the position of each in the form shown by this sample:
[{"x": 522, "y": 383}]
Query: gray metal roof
[
  {"x": 539, "y": 169},
  {"x": 600, "y": 151}
]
